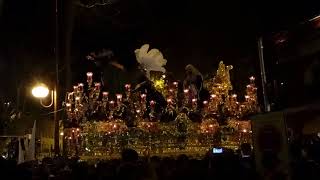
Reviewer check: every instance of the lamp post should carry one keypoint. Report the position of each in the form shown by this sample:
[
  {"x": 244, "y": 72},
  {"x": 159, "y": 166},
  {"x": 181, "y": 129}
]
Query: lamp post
[{"x": 41, "y": 91}]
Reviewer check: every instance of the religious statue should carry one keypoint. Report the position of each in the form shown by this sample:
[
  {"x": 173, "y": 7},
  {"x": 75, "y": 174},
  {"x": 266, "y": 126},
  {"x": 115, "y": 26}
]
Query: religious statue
[{"x": 193, "y": 81}]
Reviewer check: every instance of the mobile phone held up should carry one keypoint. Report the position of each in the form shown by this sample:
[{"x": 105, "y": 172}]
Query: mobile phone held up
[{"x": 217, "y": 150}]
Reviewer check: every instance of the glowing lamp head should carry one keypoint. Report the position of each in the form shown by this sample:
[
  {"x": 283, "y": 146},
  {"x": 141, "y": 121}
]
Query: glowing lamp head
[{"x": 40, "y": 91}]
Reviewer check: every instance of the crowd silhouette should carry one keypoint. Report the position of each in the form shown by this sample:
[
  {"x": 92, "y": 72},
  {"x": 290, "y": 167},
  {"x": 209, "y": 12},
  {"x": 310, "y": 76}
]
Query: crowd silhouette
[{"x": 230, "y": 164}]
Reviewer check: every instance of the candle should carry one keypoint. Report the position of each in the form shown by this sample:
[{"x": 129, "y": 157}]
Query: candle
[
  {"x": 68, "y": 105},
  {"x": 89, "y": 77},
  {"x": 169, "y": 100},
  {"x": 175, "y": 84},
  {"x": 186, "y": 91},
  {"x": 152, "y": 104},
  {"x": 252, "y": 78},
  {"x": 111, "y": 104},
  {"x": 70, "y": 96},
  {"x": 75, "y": 89},
  {"x": 127, "y": 87},
  {"x": 80, "y": 87},
  {"x": 119, "y": 98},
  {"x": 143, "y": 97},
  {"x": 97, "y": 86},
  {"x": 212, "y": 96},
  {"x": 171, "y": 92},
  {"x": 105, "y": 94},
  {"x": 234, "y": 95},
  {"x": 194, "y": 101},
  {"x": 247, "y": 97}
]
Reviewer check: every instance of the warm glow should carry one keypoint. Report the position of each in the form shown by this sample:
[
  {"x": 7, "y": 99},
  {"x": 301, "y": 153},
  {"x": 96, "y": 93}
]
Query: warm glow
[
  {"x": 61, "y": 134},
  {"x": 89, "y": 74},
  {"x": 105, "y": 94},
  {"x": 119, "y": 96},
  {"x": 186, "y": 90},
  {"x": 213, "y": 96},
  {"x": 127, "y": 86},
  {"x": 40, "y": 91}
]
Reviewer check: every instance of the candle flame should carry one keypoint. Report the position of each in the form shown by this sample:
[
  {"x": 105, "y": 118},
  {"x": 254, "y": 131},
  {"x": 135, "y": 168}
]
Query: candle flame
[{"x": 89, "y": 74}]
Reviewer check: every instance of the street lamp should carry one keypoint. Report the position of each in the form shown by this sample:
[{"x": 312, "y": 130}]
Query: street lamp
[{"x": 41, "y": 91}]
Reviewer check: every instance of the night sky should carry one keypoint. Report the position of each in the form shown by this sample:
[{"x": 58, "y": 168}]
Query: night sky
[{"x": 186, "y": 31}]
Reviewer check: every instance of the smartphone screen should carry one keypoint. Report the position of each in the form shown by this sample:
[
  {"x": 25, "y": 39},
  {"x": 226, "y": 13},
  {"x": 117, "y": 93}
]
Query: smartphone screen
[{"x": 217, "y": 150}]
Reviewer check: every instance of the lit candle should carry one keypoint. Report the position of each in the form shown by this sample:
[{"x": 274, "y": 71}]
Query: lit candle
[
  {"x": 175, "y": 84},
  {"x": 252, "y": 78},
  {"x": 152, "y": 104},
  {"x": 89, "y": 77},
  {"x": 171, "y": 92},
  {"x": 97, "y": 86},
  {"x": 127, "y": 87},
  {"x": 205, "y": 105},
  {"x": 68, "y": 105},
  {"x": 213, "y": 96},
  {"x": 105, "y": 94},
  {"x": 80, "y": 87},
  {"x": 70, "y": 96},
  {"x": 143, "y": 97},
  {"x": 111, "y": 104},
  {"x": 119, "y": 98},
  {"x": 247, "y": 97},
  {"x": 75, "y": 89},
  {"x": 234, "y": 95},
  {"x": 194, "y": 101},
  {"x": 169, "y": 100}
]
